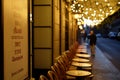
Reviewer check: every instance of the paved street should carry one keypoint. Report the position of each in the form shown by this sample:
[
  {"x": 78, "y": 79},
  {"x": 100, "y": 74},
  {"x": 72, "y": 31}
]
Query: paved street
[
  {"x": 111, "y": 49},
  {"x": 103, "y": 69}
]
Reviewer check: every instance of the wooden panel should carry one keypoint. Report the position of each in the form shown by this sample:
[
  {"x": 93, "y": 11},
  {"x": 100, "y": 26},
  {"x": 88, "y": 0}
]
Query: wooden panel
[
  {"x": 42, "y": 58},
  {"x": 42, "y": 2},
  {"x": 42, "y": 37},
  {"x": 42, "y": 16}
]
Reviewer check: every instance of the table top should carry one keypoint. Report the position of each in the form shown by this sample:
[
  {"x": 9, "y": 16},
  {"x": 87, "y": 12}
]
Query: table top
[
  {"x": 78, "y": 73},
  {"x": 81, "y": 50},
  {"x": 80, "y": 60},
  {"x": 81, "y": 47},
  {"x": 83, "y": 55},
  {"x": 84, "y": 65}
]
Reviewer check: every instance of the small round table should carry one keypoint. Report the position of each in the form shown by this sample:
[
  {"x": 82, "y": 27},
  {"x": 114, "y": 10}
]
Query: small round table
[
  {"x": 80, "y": 50},
  {"x": 83, "y": 55},
  {"x": 81, "y": 65},
  {"x": 80, "y": 74},
  {"x": 82, "y": 47},
  {"x": 80, "y": 60}
]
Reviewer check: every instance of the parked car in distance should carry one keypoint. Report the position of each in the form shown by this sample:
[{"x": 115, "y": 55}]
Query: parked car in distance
[
  {"x": 112, "y": 35},
  {"x": 98, "y": 35},
  {"x": 105, "y": 35},
  {"x": 118, "y": 36}
]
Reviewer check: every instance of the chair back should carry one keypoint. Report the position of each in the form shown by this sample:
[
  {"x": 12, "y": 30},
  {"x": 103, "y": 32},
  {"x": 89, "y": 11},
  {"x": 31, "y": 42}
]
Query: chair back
[
  {"x": 52, "y": 75},
  {"x": 42, "y": 77}
]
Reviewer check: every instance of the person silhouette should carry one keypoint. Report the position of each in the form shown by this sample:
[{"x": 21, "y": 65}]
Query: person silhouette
[{"x": 92, "y": 42}]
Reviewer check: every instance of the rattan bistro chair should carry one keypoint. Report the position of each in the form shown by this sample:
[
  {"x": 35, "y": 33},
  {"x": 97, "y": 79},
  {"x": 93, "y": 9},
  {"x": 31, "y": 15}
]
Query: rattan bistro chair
[
  {"x": 52, "y": 75},
  {"x": 42, "y": 77},
  {"x": 56, "y": 69}
]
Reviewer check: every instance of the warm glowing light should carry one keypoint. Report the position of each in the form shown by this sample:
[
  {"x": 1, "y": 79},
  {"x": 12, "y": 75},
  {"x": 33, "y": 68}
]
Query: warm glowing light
[
  {"x": 100, "y": 9},
  {"x": 80, "y": 27},
  {"x": 105, "y": 0},
  {"x": 78, "y": 23},
  {"x": 81, "y": 0},
  {"x": 93, "y": 14},
  {"x": 110, "y": 7},
  {"x": 76, "y": 16},
  {"x": 78, "y": 4},
  {"x": 73, "y": 5},
  {"x": 92, "y": 22},
  {"x": 102, "y": 18},
  {"x": 82, "y": 14},
  {"x": 86, "y": 13},
  {"x": 108, "y": 4},
  {"x": 111, "y": 10},
  {"x": 97, "y": 3},
  {"x": 107, "y": 14},
  {"x": 86, "y": 8},
  {"x": 87, "y": 21},
  {"x": 73, "y": 10},
  {"x": 118, "y": 2},
  {"x": 82, "y": 6},
  {"x": 78, "y": 19},
  {"x": 90, "y": 9},
  {"x": 30, "y": 17},
  {"x": 88, "y": 17},
  {"x": 74, "y": 1},
  {"x": 100, "y": 15}
]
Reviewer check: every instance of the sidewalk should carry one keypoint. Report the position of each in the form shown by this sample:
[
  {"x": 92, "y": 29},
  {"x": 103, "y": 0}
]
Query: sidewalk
[{"x": 103, "y": 69}]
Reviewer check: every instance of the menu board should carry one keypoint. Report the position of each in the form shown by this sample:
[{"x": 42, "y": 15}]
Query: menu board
[{"x": 15, "y": 16}]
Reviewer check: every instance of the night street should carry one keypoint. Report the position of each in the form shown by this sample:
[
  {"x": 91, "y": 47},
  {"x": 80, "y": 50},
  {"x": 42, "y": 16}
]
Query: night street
[{"x": 111, "y": 49}]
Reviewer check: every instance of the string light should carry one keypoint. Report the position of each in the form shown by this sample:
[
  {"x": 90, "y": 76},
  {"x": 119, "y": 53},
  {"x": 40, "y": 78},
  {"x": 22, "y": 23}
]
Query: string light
[
  {"x": 119, "y": 2},
  {"x": 97, "y": 3},
  {"x": 104, "y": 10},
  {"x": 105, "y": 0},
  {"x": 76, "y": 7}
]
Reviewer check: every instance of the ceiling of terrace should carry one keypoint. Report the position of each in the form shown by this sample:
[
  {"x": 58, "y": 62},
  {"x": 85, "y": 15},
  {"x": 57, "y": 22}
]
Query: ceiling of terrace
[{"x": 94, "y": 9}]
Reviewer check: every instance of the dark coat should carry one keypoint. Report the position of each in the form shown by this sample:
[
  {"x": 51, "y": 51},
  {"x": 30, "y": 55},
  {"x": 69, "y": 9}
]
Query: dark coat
[{"x": 93, "y": 39}]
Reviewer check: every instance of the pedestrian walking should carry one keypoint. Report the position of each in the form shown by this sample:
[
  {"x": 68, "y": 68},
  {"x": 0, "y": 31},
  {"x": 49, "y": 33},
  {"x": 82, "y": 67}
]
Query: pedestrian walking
[{"x": 92, "y": 42}]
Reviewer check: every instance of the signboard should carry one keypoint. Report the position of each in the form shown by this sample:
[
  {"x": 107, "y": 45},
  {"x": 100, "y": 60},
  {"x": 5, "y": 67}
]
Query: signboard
[{"x": 15, "y": 15}]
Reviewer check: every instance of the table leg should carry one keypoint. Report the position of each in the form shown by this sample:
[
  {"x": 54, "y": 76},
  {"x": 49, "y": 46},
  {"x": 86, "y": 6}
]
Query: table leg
[{"x": 79, "y": 78}]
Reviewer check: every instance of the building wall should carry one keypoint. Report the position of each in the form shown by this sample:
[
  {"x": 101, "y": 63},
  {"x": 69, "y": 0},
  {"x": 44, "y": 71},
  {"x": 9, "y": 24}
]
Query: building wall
[
  {"x": 42, "y": 34},
  {"x": 72, "y": 29},
  {"x": 62, "y": 26},
  {"x": 49, "y": 21},
  {"x": 56, "y": 28}
]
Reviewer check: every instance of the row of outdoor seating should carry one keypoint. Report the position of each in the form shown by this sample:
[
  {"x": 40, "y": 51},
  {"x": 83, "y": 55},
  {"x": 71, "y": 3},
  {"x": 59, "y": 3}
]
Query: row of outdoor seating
[{"x": 69, "y": 66}]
